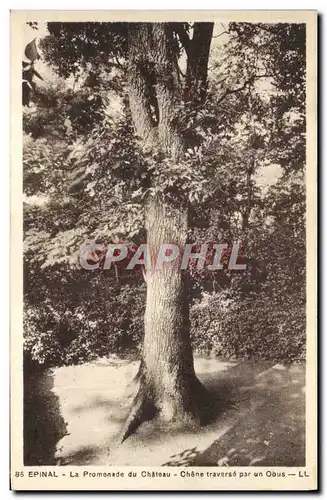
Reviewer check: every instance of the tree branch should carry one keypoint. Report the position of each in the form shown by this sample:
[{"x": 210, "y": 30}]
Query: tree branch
[
  {"x": 197, "y": 63},
  {"x": 227, "y": 30},
  {"x": 117, "y": 64},
  {"x": 220, "y": 34},
  {"x": 243, "y": 87},
  {"x": 183, "y": 36}
]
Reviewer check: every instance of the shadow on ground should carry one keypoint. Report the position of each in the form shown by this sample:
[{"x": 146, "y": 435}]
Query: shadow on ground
[
  {"x": 73, "y": 415},
  {"x": 269, "y": 428},
  {"x": 43, "y": 423}
]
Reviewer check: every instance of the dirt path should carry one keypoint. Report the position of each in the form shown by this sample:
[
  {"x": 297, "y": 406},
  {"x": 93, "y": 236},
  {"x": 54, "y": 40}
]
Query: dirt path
[{"x": 261, "y": 419}]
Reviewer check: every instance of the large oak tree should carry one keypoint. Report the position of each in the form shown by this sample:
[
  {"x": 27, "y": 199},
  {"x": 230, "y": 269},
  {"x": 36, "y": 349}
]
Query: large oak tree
[
  {"x": 160, "y": 72},
  {"x": 160, "y": 96}
]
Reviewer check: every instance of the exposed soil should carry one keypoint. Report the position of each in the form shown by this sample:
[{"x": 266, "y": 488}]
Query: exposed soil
[{"x": 74, "y": 414}]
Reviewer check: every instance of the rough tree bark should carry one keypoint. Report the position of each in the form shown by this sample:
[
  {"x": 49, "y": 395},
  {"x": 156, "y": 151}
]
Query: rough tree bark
[{"x": 167, "y": 385}]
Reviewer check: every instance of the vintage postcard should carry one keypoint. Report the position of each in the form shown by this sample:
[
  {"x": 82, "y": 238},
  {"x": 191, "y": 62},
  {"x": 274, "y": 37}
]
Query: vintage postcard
[{"x": 163, "y": 250}]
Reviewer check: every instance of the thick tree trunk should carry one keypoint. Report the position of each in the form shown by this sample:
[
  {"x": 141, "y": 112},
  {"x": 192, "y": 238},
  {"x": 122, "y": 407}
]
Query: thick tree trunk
[
  {"x": 167, "y": 384},
  {"x": 167, "y": 354}
]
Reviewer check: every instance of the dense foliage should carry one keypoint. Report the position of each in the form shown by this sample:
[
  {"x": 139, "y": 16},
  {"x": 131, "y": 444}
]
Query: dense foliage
[{"x": 85, "y": 179}]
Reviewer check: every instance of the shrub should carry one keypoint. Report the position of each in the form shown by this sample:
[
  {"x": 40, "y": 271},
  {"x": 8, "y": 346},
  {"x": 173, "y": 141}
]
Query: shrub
[
  {"x": 253, "y": 327},
  {"x": 73, "y": 325}
]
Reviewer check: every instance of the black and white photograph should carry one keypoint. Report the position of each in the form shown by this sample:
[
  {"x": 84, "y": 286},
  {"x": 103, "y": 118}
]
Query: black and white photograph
[{"x": 163, "y": 330}]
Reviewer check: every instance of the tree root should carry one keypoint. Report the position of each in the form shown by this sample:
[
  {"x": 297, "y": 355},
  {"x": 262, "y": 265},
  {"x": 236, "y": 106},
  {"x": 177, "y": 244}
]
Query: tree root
[
  {"x": 144, "y": 408},
  {"x": 141, "y": 411}
]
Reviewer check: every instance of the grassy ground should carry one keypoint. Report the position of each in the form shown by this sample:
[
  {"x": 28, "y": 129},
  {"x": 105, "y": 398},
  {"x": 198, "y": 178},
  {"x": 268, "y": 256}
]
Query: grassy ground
[{"x": 73, "y": 414}]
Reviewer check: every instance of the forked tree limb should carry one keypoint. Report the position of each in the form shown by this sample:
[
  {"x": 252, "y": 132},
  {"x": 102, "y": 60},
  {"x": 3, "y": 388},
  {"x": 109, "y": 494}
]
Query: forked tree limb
[{"x": 243, "y": 87}]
